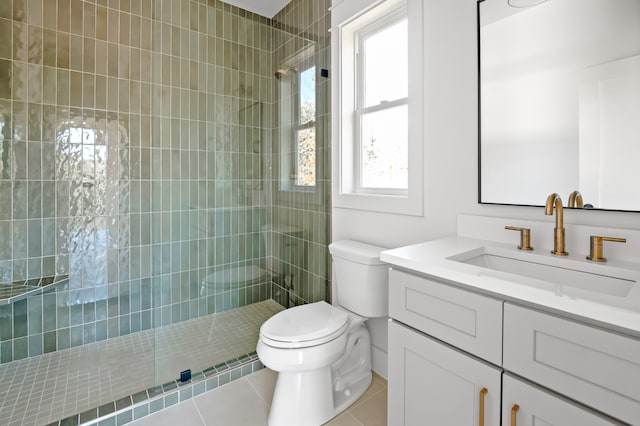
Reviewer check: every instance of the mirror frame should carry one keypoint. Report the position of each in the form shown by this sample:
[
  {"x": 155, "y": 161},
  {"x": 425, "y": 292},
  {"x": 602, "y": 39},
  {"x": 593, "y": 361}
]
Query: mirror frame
[{"x": 479, "y": 159}]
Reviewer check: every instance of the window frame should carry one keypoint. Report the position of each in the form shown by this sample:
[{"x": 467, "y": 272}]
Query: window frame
[
  {"x": 372, "y": 28},
  {"x": 349, "y": 17},
  {"x": 302, "y": 62},
  {"x": 285, "y": 192},
  {"x": 298, "y": 126}
]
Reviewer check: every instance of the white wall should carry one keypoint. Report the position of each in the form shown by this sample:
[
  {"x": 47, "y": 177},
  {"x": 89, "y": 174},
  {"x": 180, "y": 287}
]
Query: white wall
[{"x": 450, "y": 150}]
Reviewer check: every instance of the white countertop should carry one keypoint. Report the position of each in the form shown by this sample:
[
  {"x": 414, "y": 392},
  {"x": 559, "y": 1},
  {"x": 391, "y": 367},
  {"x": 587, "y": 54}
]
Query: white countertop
[{"x": 617, "y": 313}]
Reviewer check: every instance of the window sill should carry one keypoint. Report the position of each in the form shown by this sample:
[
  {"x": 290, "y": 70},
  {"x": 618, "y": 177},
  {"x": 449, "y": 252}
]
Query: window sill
[{"x": 394, "y": 204}]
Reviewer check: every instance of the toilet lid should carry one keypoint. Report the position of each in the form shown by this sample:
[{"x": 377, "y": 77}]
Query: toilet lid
[{"x": 305, "y": 325}]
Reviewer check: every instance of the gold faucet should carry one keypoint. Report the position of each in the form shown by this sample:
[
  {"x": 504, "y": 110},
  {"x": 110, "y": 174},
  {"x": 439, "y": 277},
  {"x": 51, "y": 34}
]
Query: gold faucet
[
  {"x": 595, "y": 252},
  {"x": 575, "y": 200},
  {"x": 558, "y": 233}
]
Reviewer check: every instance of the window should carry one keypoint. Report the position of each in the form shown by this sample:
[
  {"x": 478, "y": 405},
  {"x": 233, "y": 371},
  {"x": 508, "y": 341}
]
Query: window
[
  {"x": 381, "y": 130},
  {"x": 377, "y": 104},
  {"x": 297, "y": 122},
  {"x": 305, "y": 129}
]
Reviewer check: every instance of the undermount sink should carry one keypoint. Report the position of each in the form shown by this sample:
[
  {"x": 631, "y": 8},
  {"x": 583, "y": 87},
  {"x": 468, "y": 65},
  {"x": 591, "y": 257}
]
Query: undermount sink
[{"x": 561, "y": 275}]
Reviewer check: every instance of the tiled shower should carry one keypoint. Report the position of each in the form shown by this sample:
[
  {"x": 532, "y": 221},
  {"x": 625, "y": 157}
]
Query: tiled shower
[{"x": 141, "y": 162}]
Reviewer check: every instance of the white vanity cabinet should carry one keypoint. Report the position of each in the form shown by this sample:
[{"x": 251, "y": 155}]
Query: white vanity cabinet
[
  {"x": 448, "y": 344},
  {"x": 430, "y": 382}
]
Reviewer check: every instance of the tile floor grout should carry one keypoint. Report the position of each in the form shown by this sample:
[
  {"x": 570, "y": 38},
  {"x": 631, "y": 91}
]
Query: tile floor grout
[
  {"x": 197, "y": 410},
  {"x": 53, "y": 386},
  {"x": 244, "y": 397}
]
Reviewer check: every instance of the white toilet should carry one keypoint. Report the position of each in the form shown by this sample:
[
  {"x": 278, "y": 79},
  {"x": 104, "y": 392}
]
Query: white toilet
[{"x": 322, "y": 353}]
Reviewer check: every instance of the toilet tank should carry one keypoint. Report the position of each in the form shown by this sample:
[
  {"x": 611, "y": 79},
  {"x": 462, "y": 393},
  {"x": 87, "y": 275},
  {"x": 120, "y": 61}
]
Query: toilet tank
[{"x": 361, "y": 278}]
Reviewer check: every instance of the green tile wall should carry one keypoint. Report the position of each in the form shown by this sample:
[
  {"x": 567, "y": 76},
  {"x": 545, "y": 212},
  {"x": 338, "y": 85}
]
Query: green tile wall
[{"x": 135, "y": 156}]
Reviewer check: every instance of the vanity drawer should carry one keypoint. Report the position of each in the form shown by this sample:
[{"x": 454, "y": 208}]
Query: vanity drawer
[
  {"x": 463, "y": 319},
  {"x": 593, "y": 366}
]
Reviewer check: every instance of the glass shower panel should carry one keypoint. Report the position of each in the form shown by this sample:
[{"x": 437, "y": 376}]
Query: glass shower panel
[
  {"x": 211, "y": 284},
  {"x": 299, "y": 225}
]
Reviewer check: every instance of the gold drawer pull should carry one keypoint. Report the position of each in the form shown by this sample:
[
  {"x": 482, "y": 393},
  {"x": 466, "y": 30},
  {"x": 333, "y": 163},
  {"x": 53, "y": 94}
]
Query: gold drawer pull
[
  {"x": 514, "y": 410},
  {"x": 483, "y": 392}
]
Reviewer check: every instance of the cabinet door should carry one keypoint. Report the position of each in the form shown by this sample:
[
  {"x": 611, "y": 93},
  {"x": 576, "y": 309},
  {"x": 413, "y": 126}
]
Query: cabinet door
[
  {"x": 599, "y": 368},
  {"x": 536, "y": 407},
  {"x": 431, "y": 383}
]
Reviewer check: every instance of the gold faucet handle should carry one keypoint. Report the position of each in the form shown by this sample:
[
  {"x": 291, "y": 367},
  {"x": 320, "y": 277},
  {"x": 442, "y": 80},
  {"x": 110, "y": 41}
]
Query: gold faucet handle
[
  {"x": 525, "y": 237},
  {"x": 595, "y": 252}
]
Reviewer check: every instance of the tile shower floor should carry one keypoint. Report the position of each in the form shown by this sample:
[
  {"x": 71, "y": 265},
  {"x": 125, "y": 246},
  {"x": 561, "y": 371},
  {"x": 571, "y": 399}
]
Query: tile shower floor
[{"x": 50, "y": 387}]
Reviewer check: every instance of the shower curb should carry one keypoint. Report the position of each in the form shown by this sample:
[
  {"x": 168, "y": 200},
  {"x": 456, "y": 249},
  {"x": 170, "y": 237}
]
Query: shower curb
[{"x": 137, "y": 406}]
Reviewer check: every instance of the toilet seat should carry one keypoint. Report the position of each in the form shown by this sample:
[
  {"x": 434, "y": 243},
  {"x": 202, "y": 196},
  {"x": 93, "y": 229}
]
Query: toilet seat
[{"x": 304, "y": 326}]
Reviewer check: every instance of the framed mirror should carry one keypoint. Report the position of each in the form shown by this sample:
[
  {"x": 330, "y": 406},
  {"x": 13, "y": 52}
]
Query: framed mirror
[{"x": 559, "y": 102}]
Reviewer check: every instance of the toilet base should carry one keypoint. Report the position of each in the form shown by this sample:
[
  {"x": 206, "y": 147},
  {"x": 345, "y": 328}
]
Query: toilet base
[
  {"x": 313, "y": 397},
  {"x": 309, "y": 404},
  {"x": 301, "y": 399}
]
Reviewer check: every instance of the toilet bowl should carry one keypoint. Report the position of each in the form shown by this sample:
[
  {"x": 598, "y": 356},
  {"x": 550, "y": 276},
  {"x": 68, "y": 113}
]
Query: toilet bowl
[{"x": 322, "y": 352}]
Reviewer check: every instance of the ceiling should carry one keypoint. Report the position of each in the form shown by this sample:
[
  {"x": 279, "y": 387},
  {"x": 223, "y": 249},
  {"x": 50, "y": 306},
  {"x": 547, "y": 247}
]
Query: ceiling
[{"x": 266, "y": 8}]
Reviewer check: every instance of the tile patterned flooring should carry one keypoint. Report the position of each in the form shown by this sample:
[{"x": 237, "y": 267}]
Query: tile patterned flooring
[
  {"x": 245, "y": 402},
  {"x": 39, "y": 390}
]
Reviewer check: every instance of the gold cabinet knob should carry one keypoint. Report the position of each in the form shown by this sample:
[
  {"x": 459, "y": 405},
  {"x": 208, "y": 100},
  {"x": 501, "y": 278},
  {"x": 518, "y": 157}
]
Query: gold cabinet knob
[
  {"x": 525, "y": 237},
  {"x": 595, "y": 251}
]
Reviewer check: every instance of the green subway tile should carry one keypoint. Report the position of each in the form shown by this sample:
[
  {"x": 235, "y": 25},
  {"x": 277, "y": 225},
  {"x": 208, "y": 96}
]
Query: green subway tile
[
  {"x": 62, "y": 311},
  {"x": 101, "y": 330},
  {"x": 87, "y": 416},
  {"x": 106, "y": 409},
  {"x": 50, "y": 341},
  {"x": 34, "y": 204},
  {"x": 20, "y": 318},
  {"x": 34, "y": 268},
  {"x": 34, "y": 314},
  {"x": 141, "y": 410},
  {"x": 5, "y": 83},
  {"x": 64, "y": 339},
  {"x": 6, "y": 315},
  {"x": 35, "y": 345},
  {"x": 20, "y": 348},
  {"x": 124, "y": 417},
  {"x": 6, "y": 9},
  {"x": 6, "y": 190},
  {"x": 136, "y": 322},
  {"x": 113, "y": 327},
  {"x": 76, "y": 314},
  {"x": 125, "y": 325},
  {"x": 147, "y": 322},
  {"x": 48, "y": 266},
  {"x": 20, "y": 197},
  {"x": 6, "y": 351},
  {"x": 6, "y": 241},
  {"x": 101, "y": 310},
  {"x": 19, "y": 268},
  {"x": 49, "y": 318},
  {"x": 89, "y": 333},
  {"x": 89, "y": 312},
  {"x": 76, "y": 335}
]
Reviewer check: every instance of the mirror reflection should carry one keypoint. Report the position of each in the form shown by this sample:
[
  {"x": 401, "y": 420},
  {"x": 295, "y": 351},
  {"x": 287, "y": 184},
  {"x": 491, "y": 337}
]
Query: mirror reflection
[{"x": 560, "y": 101}]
